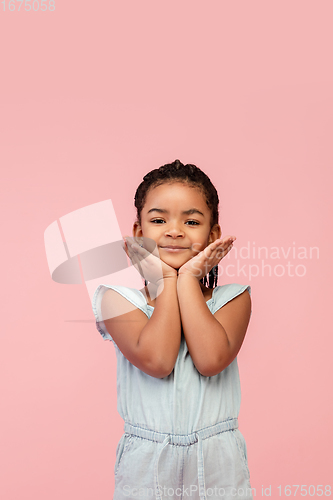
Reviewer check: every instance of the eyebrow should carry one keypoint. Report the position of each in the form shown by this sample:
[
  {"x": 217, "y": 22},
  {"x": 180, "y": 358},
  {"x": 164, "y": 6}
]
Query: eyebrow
[{"x": 185, "y": 212}]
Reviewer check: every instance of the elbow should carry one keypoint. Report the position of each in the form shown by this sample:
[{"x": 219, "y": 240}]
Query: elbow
[
  {"x": 211, "y": 369},
  {"x": 159, "y": 368},
  {"x": 164, "y": 369},
  {"x": 209, "y": 372},
  {"x": 161, "y": 372}
]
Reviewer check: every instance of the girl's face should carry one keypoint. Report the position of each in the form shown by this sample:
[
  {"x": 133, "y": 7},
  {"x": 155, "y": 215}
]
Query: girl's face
[{"x": 177, "y": 215}]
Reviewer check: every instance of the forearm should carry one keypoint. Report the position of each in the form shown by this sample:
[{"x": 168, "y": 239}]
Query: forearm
[
  {"x": 206, "y": 338},
  {"x": 160, "y": 338}
]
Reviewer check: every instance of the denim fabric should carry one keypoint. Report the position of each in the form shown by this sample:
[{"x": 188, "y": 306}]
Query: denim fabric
[{"x": 181, "y": 437}]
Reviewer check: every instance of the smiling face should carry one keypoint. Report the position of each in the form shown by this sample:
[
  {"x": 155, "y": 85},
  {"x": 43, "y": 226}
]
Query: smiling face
[{"x": 176, "y": 214}]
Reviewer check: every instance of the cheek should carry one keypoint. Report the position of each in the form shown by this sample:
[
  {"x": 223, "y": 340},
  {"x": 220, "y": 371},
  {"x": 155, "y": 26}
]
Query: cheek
[{"x": 197, "y": 247}]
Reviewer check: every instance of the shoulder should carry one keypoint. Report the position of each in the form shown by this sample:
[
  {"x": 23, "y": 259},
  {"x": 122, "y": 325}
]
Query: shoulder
[
  {"x": 131, "y": 294},
  {"x": 110, "y": 302},
  {"x": 226, "y": 293},
  {"x": 114, "y": 300},
  {"x": 233, "y": 311}
]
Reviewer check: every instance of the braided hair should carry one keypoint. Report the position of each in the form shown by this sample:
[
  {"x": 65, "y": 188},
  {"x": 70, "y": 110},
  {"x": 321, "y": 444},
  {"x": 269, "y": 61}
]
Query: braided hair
[{"x": 191, "y": 175}]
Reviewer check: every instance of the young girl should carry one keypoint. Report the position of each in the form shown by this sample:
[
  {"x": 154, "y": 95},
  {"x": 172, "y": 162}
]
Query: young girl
[{"x": 177, "y": 375}]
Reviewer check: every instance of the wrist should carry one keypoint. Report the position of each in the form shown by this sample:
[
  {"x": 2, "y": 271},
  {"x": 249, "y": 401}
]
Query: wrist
[
  {"x": 166, "y": 279},
  {"x": 188, "y": 276}
]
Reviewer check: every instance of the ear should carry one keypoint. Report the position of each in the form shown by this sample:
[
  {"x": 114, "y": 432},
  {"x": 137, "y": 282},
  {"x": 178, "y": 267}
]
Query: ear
[
  {"x": 215, "y": 233},
  {"x": 137, "y": 230}
]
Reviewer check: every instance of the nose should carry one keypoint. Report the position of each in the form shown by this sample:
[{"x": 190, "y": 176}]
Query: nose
[{"x": 174, "y": 231}]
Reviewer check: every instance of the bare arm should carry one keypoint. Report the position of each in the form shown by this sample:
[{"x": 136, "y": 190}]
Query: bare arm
[
  {"x": 213, "y": 340},
  {"x": 152, "y": 345}
]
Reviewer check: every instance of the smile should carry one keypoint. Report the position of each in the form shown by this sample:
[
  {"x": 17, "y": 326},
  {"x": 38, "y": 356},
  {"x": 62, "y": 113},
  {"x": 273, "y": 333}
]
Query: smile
[{"x": 174, "y": 249}]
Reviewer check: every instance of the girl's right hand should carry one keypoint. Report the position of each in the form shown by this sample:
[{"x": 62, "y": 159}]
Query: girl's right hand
[{"x": 148, "y": 263}]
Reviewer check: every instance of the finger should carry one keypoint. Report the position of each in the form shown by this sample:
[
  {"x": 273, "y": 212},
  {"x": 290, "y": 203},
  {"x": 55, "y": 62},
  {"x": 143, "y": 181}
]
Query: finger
[
  {"x": 136, "y": 252},
  {"x": 142, "y": 255},
  {"x": 222, "y": 251},
  {"x": 141, "y": 252},
  {"x": 138, "y": 240},
  {"x": 219, "y": 244},
  {"x": 133, "y": 258},
  {"x": 227, "y": 240},
  {"x": 127, "y": 244},
  {"x": 136, "y": 246},
  {"x": 129, "y": 240},
  {"x": 136, "y": 262},
  {"x": 125, "y": 248},
  {"x": 209, "y": 250}
]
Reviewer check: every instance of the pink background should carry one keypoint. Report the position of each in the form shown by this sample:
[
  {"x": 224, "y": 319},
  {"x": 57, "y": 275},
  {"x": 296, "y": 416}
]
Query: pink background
[{"x": 93, "y": 96}]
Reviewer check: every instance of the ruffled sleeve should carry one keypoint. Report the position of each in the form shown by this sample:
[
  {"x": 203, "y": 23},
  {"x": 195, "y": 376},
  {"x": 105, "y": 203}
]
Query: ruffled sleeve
[
  {"x": 131, "y": 294},
  {"x": 96, "y": 305},
  {"x": 225, "y": 293}
]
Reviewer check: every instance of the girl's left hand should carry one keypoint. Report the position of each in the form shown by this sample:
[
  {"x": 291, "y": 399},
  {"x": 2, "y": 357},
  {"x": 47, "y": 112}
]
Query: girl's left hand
[{"x": 201, "y": 264}]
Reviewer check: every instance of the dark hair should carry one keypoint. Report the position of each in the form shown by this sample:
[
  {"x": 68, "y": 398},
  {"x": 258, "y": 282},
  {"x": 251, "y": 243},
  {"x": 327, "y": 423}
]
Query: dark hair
[{"x": 192, "y": 175}]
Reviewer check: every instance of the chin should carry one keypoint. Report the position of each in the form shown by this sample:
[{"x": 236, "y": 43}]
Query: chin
[{"x": 174, "y": 266}]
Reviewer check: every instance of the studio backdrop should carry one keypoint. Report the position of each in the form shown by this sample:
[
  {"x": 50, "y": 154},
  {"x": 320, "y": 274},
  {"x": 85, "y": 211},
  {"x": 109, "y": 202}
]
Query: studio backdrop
[{"x": 95, "y": 95}]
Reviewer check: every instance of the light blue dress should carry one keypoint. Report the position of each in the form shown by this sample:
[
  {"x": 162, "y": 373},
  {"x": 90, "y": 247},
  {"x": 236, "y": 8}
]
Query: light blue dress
[{"x": 181, "y": 437}]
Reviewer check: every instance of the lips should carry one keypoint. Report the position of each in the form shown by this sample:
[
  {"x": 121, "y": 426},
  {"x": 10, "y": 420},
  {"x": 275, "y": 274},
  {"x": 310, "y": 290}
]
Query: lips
[{"x": 174, "y": 247}]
